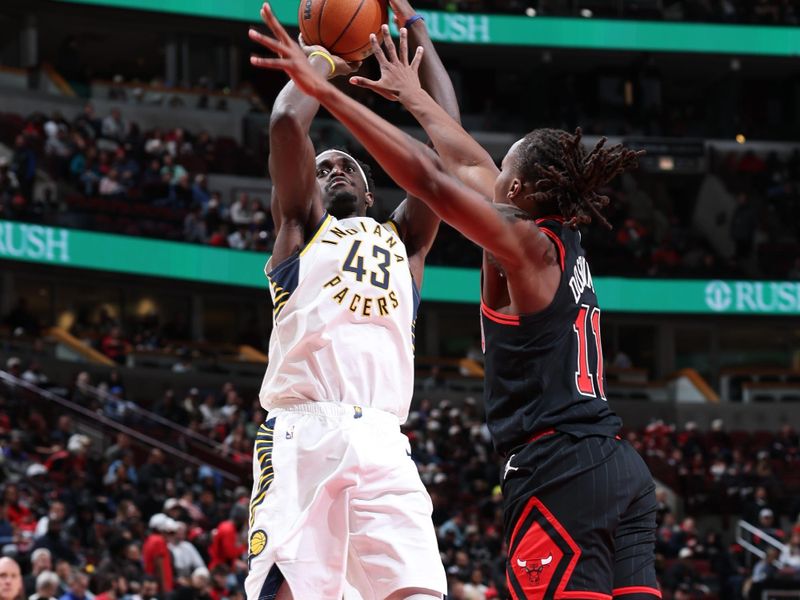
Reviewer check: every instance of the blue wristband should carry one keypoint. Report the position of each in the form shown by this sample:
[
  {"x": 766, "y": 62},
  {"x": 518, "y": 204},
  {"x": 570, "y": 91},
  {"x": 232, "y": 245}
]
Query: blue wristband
[{"x": 413, "y": 19}]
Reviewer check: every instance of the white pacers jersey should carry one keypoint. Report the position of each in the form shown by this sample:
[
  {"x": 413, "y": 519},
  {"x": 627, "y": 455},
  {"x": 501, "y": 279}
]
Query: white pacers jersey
[{"x": 343, "y": 320}]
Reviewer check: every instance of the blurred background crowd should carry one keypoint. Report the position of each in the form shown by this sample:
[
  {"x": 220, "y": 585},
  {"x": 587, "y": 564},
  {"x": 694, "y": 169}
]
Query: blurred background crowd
[{"x": 86, "y": 518}]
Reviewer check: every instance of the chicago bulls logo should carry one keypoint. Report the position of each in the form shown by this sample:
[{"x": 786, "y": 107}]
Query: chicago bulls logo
[{"x": 535, "y": 567}]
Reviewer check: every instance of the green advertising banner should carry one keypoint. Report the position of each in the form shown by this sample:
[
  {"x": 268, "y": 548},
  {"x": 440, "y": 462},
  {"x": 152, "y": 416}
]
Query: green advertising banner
[
  {"x": 173, "y": 260},
  {"x": 509, "y": 30}
]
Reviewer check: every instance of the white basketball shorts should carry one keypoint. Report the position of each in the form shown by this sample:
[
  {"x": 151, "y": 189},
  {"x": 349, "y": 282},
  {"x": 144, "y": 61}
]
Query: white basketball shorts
[{"x": 337, "y": 497}]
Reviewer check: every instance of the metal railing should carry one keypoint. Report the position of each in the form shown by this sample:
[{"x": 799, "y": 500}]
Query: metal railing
[
  {"x": 744, "y": 527},
  {"x": 131, "y": 408},
  {"x": 107, "y": 425}
]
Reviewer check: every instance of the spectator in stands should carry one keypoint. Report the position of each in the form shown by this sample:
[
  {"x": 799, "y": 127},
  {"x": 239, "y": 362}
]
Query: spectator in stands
[
  {"x": 41, "y": 562},
  {"x": 114, "y": 346},
  {"x": 78, "y": 586},
  {"x": 88, "y": 172},
  {"x": 194, "y": 226},
  {"x": 240, "y": 239},
  {"x": 241, "y": 210},
  {"x": 34, "y": 374},
  {"x": 759, "y": 503},
  {"x": 150, "y": 590},
  {"x": 111, "y": 186},
  {"x": 9, "y": 185},
  {"x": 57, "y": 148},
  {"x": 17, "y": 512},
  {"x": 57, "y": 511},
  {"x": 170, "y": 408},
  {"x": 155, "y": 145},
  {"x": 764, "y": 571},
  {"x": 766, "y": 522},
  {"x": 46, "y": 587},
  {"x": 177, "y": 144},
  {"x": 10, "y": 579},
  {"x": 186, "y": 558},
  {"x": 228, "y": 546},
  {"x": 14, "y": 367},
  {"x": 121, "y": 446},
  {"x": 17, "y": 461},
  {"x": 151, "y": 180},
  {"x": 200, "y": 193},
  {"x": 153, "y": 471},
  {"x": 172, "y": 170},
  {"x": 122, "y": 470},
  {"x": 54, "y": 542},
  {"x": 454, "y": 527},
  {"x": 127, "y": 168},
  {"x": 790, "y": 557},
  {"x": 683, "y": 573},
  {"x": 87, "y": 124},
  {"x": 156, "y": 557},
  {"x": 114, "y": 127},
  {"x": 23, "y": 164},
  {"x": 180, "y": 193}
]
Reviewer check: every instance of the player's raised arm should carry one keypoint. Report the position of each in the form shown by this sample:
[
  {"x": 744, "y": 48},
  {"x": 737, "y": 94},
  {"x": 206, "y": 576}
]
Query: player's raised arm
[
  {"x": 462, "y": 155},
  {"x": 412, "y": 165},
  {"x": 291, "y": 157},
  {"x": 417, "y": 222}
]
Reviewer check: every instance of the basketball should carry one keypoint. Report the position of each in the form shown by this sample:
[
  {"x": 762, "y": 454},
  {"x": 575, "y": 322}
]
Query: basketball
[{"x": 342, "y": 27}]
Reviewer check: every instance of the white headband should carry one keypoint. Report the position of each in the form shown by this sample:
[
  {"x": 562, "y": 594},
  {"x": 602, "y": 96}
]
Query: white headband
[{"x": 355, "y": 162}]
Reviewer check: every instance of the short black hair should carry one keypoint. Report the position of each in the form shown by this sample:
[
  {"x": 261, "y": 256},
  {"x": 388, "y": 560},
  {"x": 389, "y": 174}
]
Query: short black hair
[
  {"x": 362, "y": 164},
  {"x": 568, "y": 177}
]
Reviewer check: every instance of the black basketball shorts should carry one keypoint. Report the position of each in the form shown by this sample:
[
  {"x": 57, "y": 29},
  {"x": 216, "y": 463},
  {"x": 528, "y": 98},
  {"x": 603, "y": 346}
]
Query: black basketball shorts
[{"x": 580, "y": 520}]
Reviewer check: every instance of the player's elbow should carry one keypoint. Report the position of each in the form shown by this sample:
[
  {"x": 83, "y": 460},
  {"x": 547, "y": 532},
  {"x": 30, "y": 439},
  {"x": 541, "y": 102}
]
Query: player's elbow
[
  {"x": 428, "y": 174},
  {"x": 284, "y": 122}
]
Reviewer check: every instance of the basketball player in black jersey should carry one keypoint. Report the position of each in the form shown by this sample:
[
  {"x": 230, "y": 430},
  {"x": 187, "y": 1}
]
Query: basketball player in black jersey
[{"x": 579, "y": 501}]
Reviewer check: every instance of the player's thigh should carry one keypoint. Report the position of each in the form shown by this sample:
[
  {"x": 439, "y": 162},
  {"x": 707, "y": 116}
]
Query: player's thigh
[
  {"x": 298, "y": 522},
  {"x": 635, "y": 537},
  {"x": 562, "y": 505},
  {"x": 393, "y": 543}
]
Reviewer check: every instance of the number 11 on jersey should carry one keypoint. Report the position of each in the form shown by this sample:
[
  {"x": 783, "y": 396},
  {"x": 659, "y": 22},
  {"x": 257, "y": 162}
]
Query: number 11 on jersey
[{"x": 584, "y": 379}]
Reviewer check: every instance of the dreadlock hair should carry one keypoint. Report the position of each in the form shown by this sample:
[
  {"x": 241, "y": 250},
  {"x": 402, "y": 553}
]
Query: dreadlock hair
[{"x": 568, "y": 177}]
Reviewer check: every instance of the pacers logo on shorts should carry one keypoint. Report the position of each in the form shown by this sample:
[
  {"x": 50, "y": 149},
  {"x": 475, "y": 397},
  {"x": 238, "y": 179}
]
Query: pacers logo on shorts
[{"x": 258, "y": 541}]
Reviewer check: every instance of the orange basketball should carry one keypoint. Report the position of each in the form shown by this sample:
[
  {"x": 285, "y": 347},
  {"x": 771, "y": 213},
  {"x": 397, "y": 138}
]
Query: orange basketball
[{"x": 342, "y": 26}]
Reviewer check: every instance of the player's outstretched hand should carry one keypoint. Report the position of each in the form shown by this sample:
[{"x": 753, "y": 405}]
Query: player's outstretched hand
[
  {"x": 397, "y": 74},
  {"x": 291, "y": 58},
  {"x": 342, "y": 67}
]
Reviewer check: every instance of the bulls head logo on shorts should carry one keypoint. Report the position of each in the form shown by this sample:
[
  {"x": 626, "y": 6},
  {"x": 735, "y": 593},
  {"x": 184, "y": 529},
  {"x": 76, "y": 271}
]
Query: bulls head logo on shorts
[{"x": 534, "y": 567}]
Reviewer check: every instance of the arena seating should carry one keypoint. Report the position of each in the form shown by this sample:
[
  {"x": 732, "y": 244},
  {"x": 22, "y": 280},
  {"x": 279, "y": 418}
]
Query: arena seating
[
  {"x": 156, "y": 184},
  {"x": 719, "y": 477}
]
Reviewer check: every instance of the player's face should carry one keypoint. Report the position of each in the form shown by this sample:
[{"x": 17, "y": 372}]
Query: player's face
[{"x": 344, "y": 192}]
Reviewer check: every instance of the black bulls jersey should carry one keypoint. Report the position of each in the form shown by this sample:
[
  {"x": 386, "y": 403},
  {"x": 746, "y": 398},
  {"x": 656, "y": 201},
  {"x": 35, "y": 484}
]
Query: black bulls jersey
[{"x": 545, "y": 370}]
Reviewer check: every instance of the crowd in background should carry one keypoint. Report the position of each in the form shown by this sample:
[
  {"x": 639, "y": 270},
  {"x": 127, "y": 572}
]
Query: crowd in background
[
  {"x": 117, "y": 178},
  {"x": 772, "y": 12},
  {"x": 104, "y": 513}
]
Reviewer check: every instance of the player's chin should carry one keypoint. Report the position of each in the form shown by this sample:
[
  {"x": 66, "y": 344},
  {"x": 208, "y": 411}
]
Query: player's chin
[{"x": 342, "y": 202}]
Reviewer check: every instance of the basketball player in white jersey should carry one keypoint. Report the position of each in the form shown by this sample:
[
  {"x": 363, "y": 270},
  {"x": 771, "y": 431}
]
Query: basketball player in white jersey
[{"x": 337, "y": 500}]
